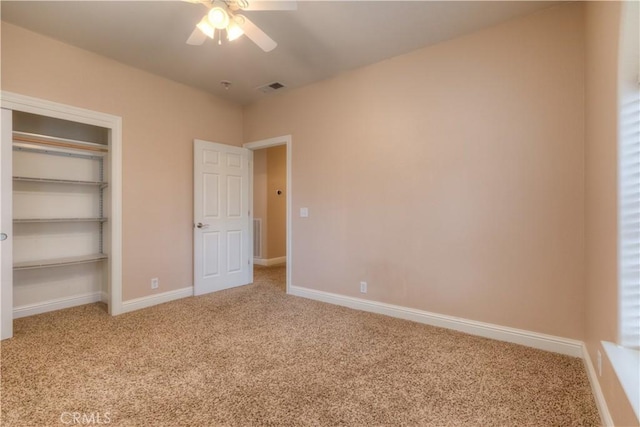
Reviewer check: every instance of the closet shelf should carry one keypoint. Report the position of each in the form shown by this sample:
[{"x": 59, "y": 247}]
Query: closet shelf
[
  {"x": 102, "y": 184},
  {"x": 64, "y": 143},
  {"x": 25, "y": 265},
  {"x": 43, "y": 220}
]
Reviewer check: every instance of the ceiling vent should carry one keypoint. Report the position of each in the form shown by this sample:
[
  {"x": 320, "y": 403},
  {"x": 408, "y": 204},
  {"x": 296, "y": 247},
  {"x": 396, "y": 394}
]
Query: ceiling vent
[{"x": 271, "y": 87}]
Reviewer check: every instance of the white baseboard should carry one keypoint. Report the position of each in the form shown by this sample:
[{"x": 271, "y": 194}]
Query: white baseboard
[
  {"x": 601, "y": 403},
  {"x": 270, "y": 261},
  {"x": 55, "y": 304},
  {"x": 518, "y": 336},
  {"x": 151, "y": 300}
]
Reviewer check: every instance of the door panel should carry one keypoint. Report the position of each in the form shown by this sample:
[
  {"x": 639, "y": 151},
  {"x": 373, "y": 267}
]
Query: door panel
[
  {"x": 210, "y": 157},
  {"x": 234, "y": 197},
  {"x": 234, "y": 161},
  {"x": 222, "y": 258},
  {"x": 234, "y": 250},
  {"x": 211, "y": 191},
  {"x": 211, "y": 253}
]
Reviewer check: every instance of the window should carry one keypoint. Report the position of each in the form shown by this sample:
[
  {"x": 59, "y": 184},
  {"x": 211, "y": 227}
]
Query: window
[
  {"x": 625, "y": 357},
  {"x": 629, "y": 198},
  {"x": 629, "y": 220}
]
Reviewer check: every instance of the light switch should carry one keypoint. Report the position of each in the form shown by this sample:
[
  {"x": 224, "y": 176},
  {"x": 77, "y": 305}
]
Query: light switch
[{"x": 304, "y": 212}]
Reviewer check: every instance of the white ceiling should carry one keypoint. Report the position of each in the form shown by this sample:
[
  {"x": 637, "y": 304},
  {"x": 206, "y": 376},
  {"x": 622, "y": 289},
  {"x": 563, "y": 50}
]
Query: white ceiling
[{"x": 319, "y": 40}]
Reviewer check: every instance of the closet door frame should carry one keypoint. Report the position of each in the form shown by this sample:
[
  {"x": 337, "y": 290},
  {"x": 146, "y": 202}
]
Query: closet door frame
[
  {"x": 27, "y": 104},
  {"x": 6, "y": 227}
]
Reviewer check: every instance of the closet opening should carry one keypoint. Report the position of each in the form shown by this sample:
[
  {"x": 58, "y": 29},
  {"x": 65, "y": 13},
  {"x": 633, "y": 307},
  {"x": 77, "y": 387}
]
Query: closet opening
[
  {"x": 60, "y": 210},
  {"x": 60, "y": 213}
]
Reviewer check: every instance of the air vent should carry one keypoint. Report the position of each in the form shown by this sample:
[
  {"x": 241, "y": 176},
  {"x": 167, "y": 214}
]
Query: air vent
[
  {"x": 271, "y": 87},
  {"x": 257, "y": 238}
]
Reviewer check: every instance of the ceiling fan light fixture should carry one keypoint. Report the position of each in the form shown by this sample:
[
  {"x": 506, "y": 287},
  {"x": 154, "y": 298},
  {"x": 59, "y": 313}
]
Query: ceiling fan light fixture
[
  {"x": 218, "y": 17},
  {"x": 205, "y": 26},
  {"x": 222, "y": 16},
  {"x": 234, "y": 30}
]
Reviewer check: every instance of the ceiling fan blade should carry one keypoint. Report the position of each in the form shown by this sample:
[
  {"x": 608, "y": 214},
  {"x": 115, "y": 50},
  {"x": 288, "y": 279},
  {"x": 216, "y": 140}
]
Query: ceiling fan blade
[
  {"x": 271, "y": 5},
  {"x": 254, "y": 33},
  {"x": 206, "y": 3},
  {"x": 196, "y": 38}
]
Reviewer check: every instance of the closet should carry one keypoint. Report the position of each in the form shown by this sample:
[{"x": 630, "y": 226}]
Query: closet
[{"x": 60, "y": 213}]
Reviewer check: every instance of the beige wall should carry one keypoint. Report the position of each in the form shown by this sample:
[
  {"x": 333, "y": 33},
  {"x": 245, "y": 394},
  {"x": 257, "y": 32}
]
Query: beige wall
[
  {"x": 450, "y": 178},
  {"x": 277, "y": 204},
  {"x": 260, "y": 194},
  {"x": 160, "y": 120},
  {"x": 602, "y": 22}
]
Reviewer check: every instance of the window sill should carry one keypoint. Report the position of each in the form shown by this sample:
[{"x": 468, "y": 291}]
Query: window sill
[{"x": 626, "y": 364}]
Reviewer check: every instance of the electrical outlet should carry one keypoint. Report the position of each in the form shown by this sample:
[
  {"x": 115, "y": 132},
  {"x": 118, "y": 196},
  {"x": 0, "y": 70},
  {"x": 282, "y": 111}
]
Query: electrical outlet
[
  {"x": 154, "y": 283},
  {"x": 599, "y": 363},
  {"x": 363, "y": 287}
]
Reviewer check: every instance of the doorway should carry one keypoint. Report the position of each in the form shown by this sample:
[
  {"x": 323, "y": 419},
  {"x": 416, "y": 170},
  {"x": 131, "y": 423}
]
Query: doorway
[{"x": 271, "y": 205}]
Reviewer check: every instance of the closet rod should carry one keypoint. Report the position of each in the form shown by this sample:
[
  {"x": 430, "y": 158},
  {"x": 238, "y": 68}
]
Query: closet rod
[{"x": 61, "y": 144}]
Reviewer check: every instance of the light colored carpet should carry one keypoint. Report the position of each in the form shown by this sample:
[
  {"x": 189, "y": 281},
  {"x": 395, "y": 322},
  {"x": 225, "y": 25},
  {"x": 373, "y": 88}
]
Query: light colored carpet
[{"x": 255, "y": 356}]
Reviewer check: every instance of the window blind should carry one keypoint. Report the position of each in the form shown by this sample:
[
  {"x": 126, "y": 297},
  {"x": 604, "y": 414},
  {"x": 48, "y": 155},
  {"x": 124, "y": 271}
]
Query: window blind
[{"x": 629, "y": 220}]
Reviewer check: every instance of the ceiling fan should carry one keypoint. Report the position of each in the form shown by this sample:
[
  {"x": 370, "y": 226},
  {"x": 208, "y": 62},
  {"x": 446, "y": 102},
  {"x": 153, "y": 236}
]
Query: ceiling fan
[{"x": 223, "y": 16}]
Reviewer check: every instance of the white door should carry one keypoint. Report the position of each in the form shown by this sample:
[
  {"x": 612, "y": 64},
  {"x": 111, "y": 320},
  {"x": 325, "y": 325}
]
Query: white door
[
  {"x": 221, "y": 233},
  {"x": 6, "y": 225}
]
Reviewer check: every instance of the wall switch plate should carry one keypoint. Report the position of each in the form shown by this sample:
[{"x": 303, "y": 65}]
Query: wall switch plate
[
  {"x": 154, "y": 283},
  {"x": 363, "y": 287},
  {"x": 304, "y": 212}
]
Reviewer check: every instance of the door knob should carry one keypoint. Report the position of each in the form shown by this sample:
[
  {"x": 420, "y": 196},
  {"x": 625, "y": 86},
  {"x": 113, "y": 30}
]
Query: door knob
[
  {"x": 201, "y": 225},
  {"x": 3, "y": 236}
]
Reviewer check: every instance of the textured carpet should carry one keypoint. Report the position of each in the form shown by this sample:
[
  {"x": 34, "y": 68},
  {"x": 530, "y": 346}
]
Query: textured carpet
[{"x": 255, "y": 356}]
